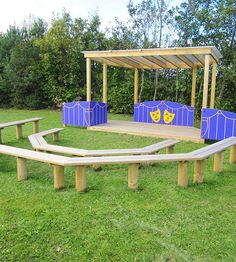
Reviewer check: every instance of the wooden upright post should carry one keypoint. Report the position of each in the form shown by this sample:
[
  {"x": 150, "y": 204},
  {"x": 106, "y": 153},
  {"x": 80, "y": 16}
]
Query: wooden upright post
[
  {"x": 232, "y": 158},
  {"x": 194, "y": 78},
  {"x": 218, "y": 162},
  {"x": 170, "y": 150},
  {"x": 80, "y": 178},
  {"x": 213, "y": 85},
  {"x": 18, "y": 131},
  {"x": 135, "y": 86},
  {"x": 104, "y": 83},
  {"x": 88, "y": 78},
  {"x": 206, "y": 80},
  {"x": 133, "y": 176},
  {"x": 198, "y": 171},
  {"x": 182, "y": 174},
  {"x": 21, "y": 169},
  {"x": 36, "y": 126},
  {"x": 55, "y": 136},
  {"x": 0, "y": 136},
  {"x": 58, "y": 172}
]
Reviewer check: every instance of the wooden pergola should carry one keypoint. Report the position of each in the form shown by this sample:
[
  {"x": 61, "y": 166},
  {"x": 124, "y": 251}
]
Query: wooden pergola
[{"x": 172, "y": 58}]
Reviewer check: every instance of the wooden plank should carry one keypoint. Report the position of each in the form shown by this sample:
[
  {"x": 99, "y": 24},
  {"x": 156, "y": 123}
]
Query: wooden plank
[
  {"x": 186, "y": 60},
  {"x": 182, "y": 174},
  {"x": 232, "y": 158},
  {"x": 19, "y": 122},
  {"x": 104, "y": 96},
  {"x": 194, "y": 78},
  {"x": 213, "y": 85},
  {"x": 58, "y": 173},
  {"x": 133, "y": 175},
  {"x": 110, "y": 160},
  {"x": 88, "y": 79},
  {"x": 206, "y": 79},
  {"x": 218, "y": 162},
  {"x": 19, "y": 131},
  {"x": 198, "y": 171},
  {"x": 152, "y": 52},
  {"x": 158, "y": 62},
  {"x": 50, "y": 131},
  {"x": 151, "y": 130},
  {"x": 135, "y": 86},
  {"x": 80, "y": 178},
  {"x": 130, "y": 62},
  {"x": 36, "y": 126},
  {"x": 21, "y": 169},
  {"x": 29, "y": 154}
]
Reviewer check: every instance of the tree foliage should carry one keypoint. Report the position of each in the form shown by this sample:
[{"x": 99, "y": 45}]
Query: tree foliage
[{"x": 44, "y": 67}]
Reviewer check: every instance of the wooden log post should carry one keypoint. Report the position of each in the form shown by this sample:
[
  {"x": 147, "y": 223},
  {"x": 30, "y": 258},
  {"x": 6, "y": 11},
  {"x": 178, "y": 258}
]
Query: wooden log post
[
  {"x": 232, "y": 157},
  {"x": 80, "y": 178},
  {"x": 133, "y": 175},
  {"x": 1, "y": 136},
  {"x": 213, "y": 85},
  {"x": 206, "y": 80},
  {"x": 58, "y": 173},
  {"x": 88, "y": 78},
  {"x": 194, "y": 78},
  {"x": 36, "y": 126},
  {"x": 104, "y": 93},
  {"x": 218, "y": 162},
  {"x": 135, "y": 86},
  {"x": 19, "y": 131},
  {"x": 21, "y": 169},
  {"x": 55, "y": 136},
  {"x": 170, "y": 150},
  {"x": 198, "y": 171},
  {"x": 182, "y": 174}
]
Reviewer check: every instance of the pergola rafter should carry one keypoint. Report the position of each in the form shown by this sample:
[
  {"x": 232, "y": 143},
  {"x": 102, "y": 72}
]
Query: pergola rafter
[{"x": 172, "y": 58}]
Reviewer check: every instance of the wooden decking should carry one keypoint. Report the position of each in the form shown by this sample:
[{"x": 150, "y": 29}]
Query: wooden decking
[{"x": 153, "y": 130}]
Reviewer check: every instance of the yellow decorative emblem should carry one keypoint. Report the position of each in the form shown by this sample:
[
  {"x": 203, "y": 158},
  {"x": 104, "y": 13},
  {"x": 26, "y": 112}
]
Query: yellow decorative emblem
[
  {"x": 156, "y": 115},
  {"x": 168, "y": 117}
]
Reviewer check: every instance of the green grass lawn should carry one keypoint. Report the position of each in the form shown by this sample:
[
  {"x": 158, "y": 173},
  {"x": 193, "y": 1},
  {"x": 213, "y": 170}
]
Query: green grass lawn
[{"x": 157, "y": 222}]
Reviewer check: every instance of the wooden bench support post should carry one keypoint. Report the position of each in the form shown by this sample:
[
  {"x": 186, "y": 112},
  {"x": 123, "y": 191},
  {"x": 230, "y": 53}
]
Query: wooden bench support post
[
  {"x": 36, "y": 126},
  {"x": 58, "y": 172},
  {"x": 218, "y": 162},
  {"x": 133, "y": 176},
  {"x": 80, "y": 178},
  {"x": 198, "y": 171},
  {"x": 232, "y": 158},
  {"x": 21, "y": 169},
  {"x": 170, "y": 150},
  {"x": 0, "y": 136},
  {"x": 18, "y": 131},
  {"x": 55, "y": 136},
  {"x": 182, "y": 174}
]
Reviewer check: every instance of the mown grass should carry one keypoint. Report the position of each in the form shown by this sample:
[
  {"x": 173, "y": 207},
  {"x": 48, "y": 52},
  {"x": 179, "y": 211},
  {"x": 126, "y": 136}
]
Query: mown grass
[{"x": 157, "y": 222}]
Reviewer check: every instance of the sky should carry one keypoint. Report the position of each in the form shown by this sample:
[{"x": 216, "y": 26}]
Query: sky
[{"x": 14, "y": 12}]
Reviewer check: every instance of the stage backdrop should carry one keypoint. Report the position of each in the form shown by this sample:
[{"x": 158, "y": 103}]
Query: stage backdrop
[
  {"x": 217, "y": 124},
  {"x": 164, "y": 112},
  {"x": 84, "y": 113}
]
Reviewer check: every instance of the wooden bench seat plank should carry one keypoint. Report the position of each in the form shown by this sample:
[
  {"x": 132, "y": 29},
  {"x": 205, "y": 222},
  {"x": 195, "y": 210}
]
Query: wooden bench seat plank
[
  {"x": 32, "y": 155},
  {"x": 215, "y": 148},
  {"x": 50, "y": 131},
  {"x": 20, "y": 122},
  {"x": 109, "y": 160}
]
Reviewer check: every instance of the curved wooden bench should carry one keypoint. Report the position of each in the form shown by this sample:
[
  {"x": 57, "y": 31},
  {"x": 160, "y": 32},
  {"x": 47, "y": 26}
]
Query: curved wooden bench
[
  {"x": 19, "y": 125},
  {"x": 80, "y": 164},
  {"x": 39, "y": 143}
]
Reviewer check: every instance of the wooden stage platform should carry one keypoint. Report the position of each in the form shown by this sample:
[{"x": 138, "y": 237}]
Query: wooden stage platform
[{"x": 153, "y": 130}]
